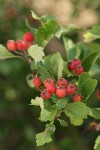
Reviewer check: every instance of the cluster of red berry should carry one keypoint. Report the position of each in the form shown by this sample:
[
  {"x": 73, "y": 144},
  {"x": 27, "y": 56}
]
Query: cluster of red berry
[
  {"x": 61, "y": 89},
  {"x": 76, "y": 66},
  {"x": 21, "y": 44}
]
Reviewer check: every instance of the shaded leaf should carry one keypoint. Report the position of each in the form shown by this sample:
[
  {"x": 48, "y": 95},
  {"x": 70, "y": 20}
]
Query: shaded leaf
[
  {"x": 69, "y": 29},
  {"x": 43, "y": 73},
  {"x": 56, "y": 62},
  {"x": 88, "y": 87},
  {"x": 89, "y": 60},
  {"x": 82, "y": 79}
]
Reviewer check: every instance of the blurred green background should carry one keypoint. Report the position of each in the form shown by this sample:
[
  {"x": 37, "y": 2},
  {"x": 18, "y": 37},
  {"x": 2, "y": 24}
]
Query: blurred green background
[{"x": 18, "y": 120}]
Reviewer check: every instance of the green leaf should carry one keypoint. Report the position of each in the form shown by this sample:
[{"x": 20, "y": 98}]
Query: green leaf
[
  {"x": 61, "y": 103},
  {"x": 97, "y": 143},
  {"x": 43, "y": 19},
  {"x": 68, "y": 30},
  {"x": 77, "y": 112},
  {"x": 38, "y": 101},
  {"x": 34, "y": 15},
  {"x": 92, "y": 34},
  {"x": 57, "y": 64},
  {"x": 89, "y": 60},
  {"x": 32, "y": 65},
  {"x": 82, "y": 79},
  {"x": 48, "y": 114},
  {"x": 45, "y": 137},
  {"x": 36, "y": 52},
  {"x": 50, "y": 128},
  {"x": 5, "y": 54},
  {"x": 69, "y": 48},
  {"x": 29, "y": 80},
  {"x": 42, "y": 138},
  {"x": 88, "y": 87},
  {"x": 43, "y": 73},
  {"x": 95, "y": 113},
  {"x": 44, "y": 34},
  {"x": 63, "y": 123}
]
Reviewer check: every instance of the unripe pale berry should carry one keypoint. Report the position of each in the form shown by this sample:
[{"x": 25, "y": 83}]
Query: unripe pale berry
[
  {"x": 62, "y": 82},
  {"x": 71, "y": 88},
  {"x": 77, "y": 97},
  {"x": 37, "y": 81},
  {"x": 79, "y": 70},
  {"x": 45, "y": 94},
  {"x": 51, "y": 89},
  {"x": 98, "y": 94},
  {"x": 21, "y": 45},
  {"x": 11, "y": 45},
  {"x": 48, "y": 82},
  {"x": 28, "y": 36},
  {"x": 60, "y": 91}
]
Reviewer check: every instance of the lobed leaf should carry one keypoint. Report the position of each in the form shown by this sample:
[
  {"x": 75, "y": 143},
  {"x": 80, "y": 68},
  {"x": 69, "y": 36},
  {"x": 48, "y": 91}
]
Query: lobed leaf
[
  {"x": 44, "y": 34},
  {"x": 63, "y": 123},
  {"x": 48, "y": 114},
  {"x": 36, "y": 52},
  {"x": 77, "y": 112},
  {"x": 45, "y": 137},
  {"x": 61, "y": 103},
  {"x": 38, "y": 101}
]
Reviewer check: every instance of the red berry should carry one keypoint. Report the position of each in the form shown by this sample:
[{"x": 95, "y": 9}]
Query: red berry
[
  {"x": 77, "y": 62},
  {"x": 29, "y": 44},
  {"x": 61, "y": 91},
  {"x": 73, "y": 64},
  {"x": 11, "y": 45},
  {"x": 48, "y": 82},
  {"x": 98, "y": 94},
  {"x": 79, "y": 70},
  {"x": 45, "y": 94},
  {"x": 62, "y": 82},
  {"x": 37, "y": 81},
  {"x": 51, "y": 89},
  {"x": 21, "y": 45},
  {"x": 71, "y": 88},
  {"x": 28, "y": 36},
  {"x": 77, "y": 97}
]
